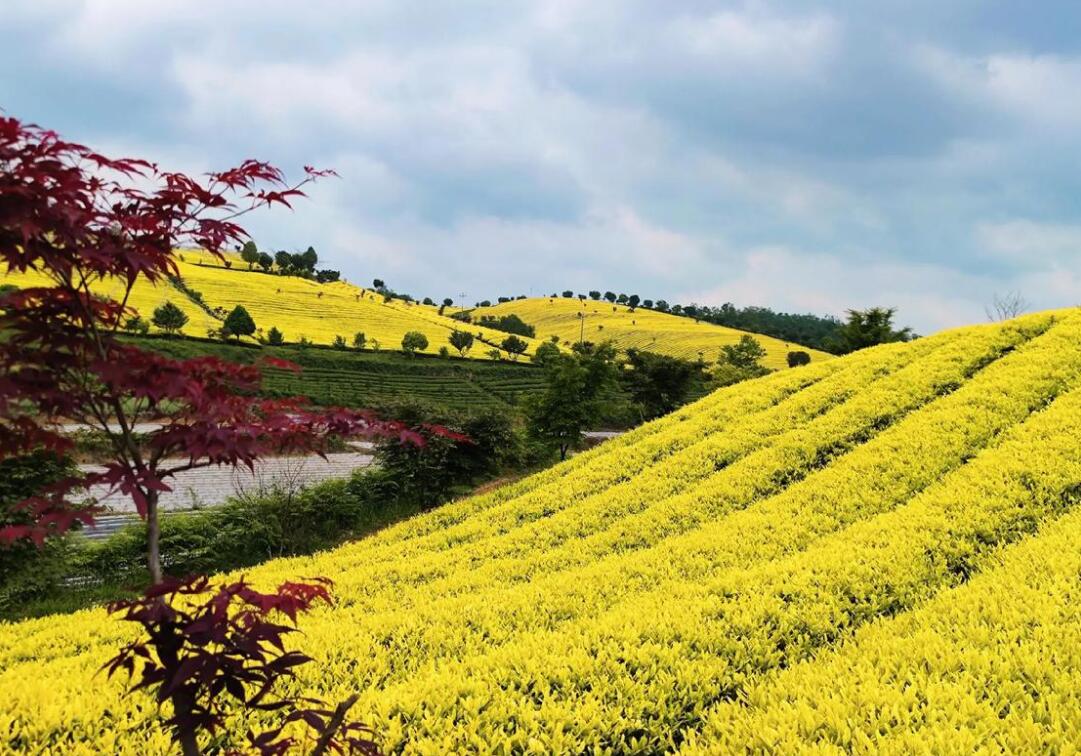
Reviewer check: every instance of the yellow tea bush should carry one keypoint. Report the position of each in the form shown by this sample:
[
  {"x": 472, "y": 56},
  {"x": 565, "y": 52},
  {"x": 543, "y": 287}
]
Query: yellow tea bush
[{"x": 873, "y": 553}]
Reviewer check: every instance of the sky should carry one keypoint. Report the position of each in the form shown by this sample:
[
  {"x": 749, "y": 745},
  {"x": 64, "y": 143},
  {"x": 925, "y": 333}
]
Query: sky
[{"x": 804, "y": 156}]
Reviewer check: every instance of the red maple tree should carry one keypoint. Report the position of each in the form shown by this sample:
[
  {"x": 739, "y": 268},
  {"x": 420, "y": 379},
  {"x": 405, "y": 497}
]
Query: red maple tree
[{"x": 80, "y": 219}]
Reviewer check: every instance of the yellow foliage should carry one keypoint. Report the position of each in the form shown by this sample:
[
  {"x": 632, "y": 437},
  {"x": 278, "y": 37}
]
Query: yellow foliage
[
  {"x": 295, "y": 306},
  {"x": 876, "y": 552},
  {"x": 571, "y": 320}
]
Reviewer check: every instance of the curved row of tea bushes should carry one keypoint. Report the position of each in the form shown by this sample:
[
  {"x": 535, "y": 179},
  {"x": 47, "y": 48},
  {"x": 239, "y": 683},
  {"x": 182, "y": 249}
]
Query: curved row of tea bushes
[
  {"x": 638, "y": 676},
  {"x": 640, "y": 595},
  {"x": 993, "y": 665}
]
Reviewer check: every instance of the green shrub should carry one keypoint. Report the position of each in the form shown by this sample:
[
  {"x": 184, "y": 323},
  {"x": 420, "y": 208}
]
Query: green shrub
[{"x": 27, "y": 572}]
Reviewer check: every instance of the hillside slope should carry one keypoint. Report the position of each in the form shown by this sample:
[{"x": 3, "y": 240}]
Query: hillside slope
[
  {"x": 879, "y": 550},
  {"x": 640, "y": 328},
  {"x": 295, "y": 306},
  {"x": 362, "y": 379}
]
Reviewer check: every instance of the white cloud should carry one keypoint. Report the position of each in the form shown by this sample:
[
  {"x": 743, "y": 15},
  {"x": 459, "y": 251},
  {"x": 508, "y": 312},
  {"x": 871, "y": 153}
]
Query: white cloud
[
  {"x": 1032, "y": 244},
  {"x": 485, "y": 256},
  {"x": 1042, "y": 89},
  {"x": 926, "y": 296},
  {"x": 1037, "y": 90},
  {"x": 761, "y": 43}
]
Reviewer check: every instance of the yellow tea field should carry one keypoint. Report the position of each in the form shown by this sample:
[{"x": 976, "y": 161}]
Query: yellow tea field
[
  {"x": 571, "y": 320},
  {"x": 873, "y": 553},
  {"x": 295, "y": 306}
]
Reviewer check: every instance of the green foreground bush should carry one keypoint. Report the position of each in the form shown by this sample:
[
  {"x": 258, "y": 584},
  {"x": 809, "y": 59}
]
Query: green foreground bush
[{"x": 249, "y": 529}]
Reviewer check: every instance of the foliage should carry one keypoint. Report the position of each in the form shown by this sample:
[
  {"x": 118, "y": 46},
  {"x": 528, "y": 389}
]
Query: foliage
[
  {"x": 24, "y": 568},
  {"x": 274, "y": 337},
  {"x": 170, "y": 318},
  {"x": 444, "y": 465},
  {"x": 238, "y": 323},
  {"x": 76, "y": 217},
  {"x": 513, "y": 346},
  {"x": 339, "y": 342},
  {"x": 847, "y": 556},
  {"x": 573, "y": 398},
  {"x": 359, "y": 340},
  {"x": 866, "y": 328},
  {"x": 461, "y": 340},
  {"x": 744, "y": 355},
  {"x": 233, "y": 646},
  {"x": 135, "y": 324},
  {"x": 657, "y": 382},
  {"x": 509, "y": 323},
  {"x": 546, "y": 353},
  {"x": 414, "y": 342},
  {"x": 249, "y": 253},
  {"x": 798, "y": 358}
]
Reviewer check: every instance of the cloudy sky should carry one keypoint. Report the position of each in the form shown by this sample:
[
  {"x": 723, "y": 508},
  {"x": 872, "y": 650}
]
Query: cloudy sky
[{"x": 922, "y": 154}]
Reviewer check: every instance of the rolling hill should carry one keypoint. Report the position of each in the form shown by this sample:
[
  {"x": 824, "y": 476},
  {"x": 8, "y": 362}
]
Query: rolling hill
[
  {"x": 875, "y": 552},
  {"x": 318, "y": 312},
  {"x": 295, "y": 306},
  {"x": 571, "y": 320}
]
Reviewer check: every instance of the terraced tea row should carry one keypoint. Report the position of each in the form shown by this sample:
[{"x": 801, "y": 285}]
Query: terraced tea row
[{"x": 818, "y": 558}]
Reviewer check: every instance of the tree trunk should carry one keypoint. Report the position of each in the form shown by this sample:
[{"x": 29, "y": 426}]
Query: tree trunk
[{"x": 153, "y": 538}]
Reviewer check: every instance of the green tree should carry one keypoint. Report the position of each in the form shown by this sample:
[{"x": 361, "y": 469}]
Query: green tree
[
  {"x": 447, "y": 302},
  {"x": 170, "y": 318},
  {"x": 339, "y": 342},
  {"x": 414, "y": 342},
  {"x": 461, "y": 340},
  {"x": 359, "y": 339},
  {"x": 799, "y": 357},
  {"x": 265, "y": 261},
  {"x": 136, "y": 324},
  {"x": 658, "y": 383},
  {"x": 284, "y": 261},
  {"x": 633, "y": 300},
  {"x": 274, "y": 337},
  {"x": 513, "y": 346},
  {"x": 573, "y": 397},
  {"x": 594, "y": 295},
  {"x": 238, "y": 323},
  {"x": 249, "y": 253},
  {"x": 610, "y": 296},
  {"x": 545, "y": 353},
  {"x": 308, "y": 259},
  {"x": 744, "y": 354},
  {"x": 866, "y": 328}
]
